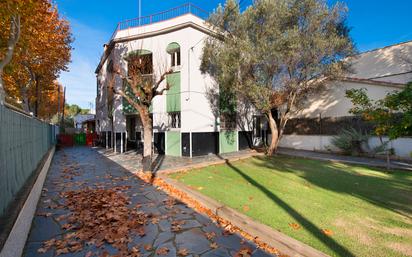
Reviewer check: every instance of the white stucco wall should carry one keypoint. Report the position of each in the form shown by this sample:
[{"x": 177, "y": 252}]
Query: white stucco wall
[
  {"x": 196, "y": 112},
  {"x": 332, "y": 102},
  {"x": 402, "y": 146}
]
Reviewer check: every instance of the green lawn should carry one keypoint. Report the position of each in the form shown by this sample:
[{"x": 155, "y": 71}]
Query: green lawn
[{"x": 367, "y": 211}]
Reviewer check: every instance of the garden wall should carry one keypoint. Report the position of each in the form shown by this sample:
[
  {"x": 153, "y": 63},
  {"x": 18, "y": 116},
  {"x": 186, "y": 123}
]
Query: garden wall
[
  {"x": 24, "y": 141},
  {"x": 402, "y": 146}
]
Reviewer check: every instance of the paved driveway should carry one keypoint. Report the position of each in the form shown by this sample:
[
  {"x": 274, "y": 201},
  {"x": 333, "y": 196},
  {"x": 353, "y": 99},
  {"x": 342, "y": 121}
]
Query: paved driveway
[{"x": 167, "y": 228}]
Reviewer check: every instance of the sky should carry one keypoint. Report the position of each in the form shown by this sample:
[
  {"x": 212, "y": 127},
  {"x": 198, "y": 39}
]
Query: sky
[{"x": 374, "y": 24}]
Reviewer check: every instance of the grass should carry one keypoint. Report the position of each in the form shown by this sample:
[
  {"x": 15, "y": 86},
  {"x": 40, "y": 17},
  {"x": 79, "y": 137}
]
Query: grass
[{"x": 342, "y": 210}]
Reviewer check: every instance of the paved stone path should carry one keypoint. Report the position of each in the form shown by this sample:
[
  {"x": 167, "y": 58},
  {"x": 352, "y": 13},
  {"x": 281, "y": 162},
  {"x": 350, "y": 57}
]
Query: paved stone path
[
  {"x": 131, "y": 160},
  {"x": 93, "y": 168},
  {"x": 348, "y": 159}
]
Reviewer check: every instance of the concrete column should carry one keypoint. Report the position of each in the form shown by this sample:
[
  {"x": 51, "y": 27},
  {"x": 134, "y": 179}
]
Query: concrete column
[
  {"x": 190, "y": 140},
  {"x": 121, "y": 142}
]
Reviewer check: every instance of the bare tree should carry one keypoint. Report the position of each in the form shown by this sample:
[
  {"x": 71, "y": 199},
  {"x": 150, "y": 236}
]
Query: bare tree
[{"x": 140, "y": 86}]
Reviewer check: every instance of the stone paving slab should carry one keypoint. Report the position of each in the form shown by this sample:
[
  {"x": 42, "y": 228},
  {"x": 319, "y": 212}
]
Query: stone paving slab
[
  {"x": 131, "y": 160},
  {"x": 94, "y": 169}
]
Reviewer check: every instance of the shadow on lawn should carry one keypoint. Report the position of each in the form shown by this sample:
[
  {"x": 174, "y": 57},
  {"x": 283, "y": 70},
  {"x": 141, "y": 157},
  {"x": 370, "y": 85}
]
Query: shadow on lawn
[
  {"x": 389, "y": 193},
  {"x": 312, "y": 228}
]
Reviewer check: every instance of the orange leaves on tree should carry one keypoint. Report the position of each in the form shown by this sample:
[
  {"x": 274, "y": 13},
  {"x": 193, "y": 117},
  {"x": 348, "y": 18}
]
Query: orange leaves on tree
[{"x": 42, "y": 52}]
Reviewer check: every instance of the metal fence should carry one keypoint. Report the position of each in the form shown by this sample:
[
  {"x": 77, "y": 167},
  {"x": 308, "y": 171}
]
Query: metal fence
[
  {"x": 24, "y": 141},
  {"x": 162, "y": 16}
]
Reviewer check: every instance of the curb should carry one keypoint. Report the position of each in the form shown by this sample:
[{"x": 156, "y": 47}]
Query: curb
[
  {"x": 16, "y": 240},
  {"x": 285, "y": 244}
]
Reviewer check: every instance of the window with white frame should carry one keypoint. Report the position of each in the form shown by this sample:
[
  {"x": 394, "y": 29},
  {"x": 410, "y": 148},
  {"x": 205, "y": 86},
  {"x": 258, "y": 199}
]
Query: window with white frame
[
  {"x": 174, "y": 51},
  {"x": 175, "y": 58},
  {"x": 174, "y": 119}
]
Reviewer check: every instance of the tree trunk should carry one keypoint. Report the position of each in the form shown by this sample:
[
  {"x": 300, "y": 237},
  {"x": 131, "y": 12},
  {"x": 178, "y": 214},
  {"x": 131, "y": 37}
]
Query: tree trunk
[
  {"x": 25, "y": 99},
  {"x": 36, "y": 104},
  {"x": 275, "y": 134},
  {"x": 147, "y": 142},
  {"x": 2, "y": 92}
]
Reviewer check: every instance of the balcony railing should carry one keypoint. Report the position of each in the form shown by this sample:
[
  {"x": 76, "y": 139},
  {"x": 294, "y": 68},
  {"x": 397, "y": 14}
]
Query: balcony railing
[{"x": 187, "y": 8}]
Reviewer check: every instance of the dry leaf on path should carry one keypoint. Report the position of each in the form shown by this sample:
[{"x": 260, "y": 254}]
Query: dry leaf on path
[
  {"x": 213, "y": 245},
  {"x": 162, "y": 251},
  {"x": 183, "y": 252}
]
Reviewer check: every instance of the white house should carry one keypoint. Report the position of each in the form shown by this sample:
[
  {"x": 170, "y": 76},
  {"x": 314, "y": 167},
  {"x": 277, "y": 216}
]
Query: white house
[{"x": 184, "y": 120}]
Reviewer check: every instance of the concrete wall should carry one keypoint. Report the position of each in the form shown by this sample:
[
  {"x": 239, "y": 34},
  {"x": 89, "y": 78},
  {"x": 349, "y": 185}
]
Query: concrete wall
[
  {"x": 402, "y": 146},
  {"x": 332, "y": 102}
]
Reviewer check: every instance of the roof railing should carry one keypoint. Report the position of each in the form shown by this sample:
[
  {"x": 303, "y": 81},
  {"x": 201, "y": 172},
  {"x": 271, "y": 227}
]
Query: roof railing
[{"x": 187, "y": 8}]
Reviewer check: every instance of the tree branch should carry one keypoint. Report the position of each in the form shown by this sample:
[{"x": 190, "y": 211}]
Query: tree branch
[
  {"x": 162, "y": 77},
  {"x": 13, "y": 39}
]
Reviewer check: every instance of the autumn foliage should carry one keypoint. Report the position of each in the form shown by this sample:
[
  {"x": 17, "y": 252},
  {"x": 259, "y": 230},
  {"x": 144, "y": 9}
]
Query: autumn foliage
[{"x": 41, "y": 53}]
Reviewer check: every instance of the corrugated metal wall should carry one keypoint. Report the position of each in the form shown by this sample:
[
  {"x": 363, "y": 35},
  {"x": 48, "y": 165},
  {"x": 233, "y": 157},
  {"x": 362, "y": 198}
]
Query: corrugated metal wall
[{"x": 23, "y": 143}]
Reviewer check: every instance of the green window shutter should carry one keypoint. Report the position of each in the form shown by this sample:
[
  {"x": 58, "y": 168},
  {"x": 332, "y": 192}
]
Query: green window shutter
[{"x": 173, "y": 94}]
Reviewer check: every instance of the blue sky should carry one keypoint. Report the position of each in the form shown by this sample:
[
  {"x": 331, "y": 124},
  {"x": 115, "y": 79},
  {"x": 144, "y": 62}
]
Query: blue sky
[{"x": 375, "y": 23}]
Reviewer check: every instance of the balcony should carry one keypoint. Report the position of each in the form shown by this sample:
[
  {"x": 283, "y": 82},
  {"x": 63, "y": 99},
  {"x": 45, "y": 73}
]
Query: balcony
[{"x": 187, "y": 8}]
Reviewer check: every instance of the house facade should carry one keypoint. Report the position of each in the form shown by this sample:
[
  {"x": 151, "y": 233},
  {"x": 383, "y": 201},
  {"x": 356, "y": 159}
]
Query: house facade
[{"x": 184, "y": 119}]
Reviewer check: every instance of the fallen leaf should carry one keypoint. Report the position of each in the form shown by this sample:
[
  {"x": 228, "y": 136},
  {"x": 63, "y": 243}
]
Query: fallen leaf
[
  {"x": 327, "y": 232},
  {"x": 183, "y": 252},
  {"x": 295, "y": 226},
  {"x": 213, "y": 245},
  {"x": 244, "y": 252},
  {"x": 246, "y": 208},
  {"x": 42, "y": 250},
  {"x": 210, "y": 235},
  {"x": 162, "y": 251}
]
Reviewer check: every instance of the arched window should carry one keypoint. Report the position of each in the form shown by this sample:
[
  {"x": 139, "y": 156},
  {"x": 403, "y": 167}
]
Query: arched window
[{"x": 174, "y": 51}]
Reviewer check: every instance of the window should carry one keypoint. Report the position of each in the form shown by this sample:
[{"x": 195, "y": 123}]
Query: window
[
  {"x": 174, "y": 119},
  {"x": 174, "y": 50},
  {"x": 257, "y": 126},
  {"x": 175, "y": 58}
]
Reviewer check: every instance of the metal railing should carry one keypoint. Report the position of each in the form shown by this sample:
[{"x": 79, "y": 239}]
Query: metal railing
[{"x": 187, "y": 8}]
